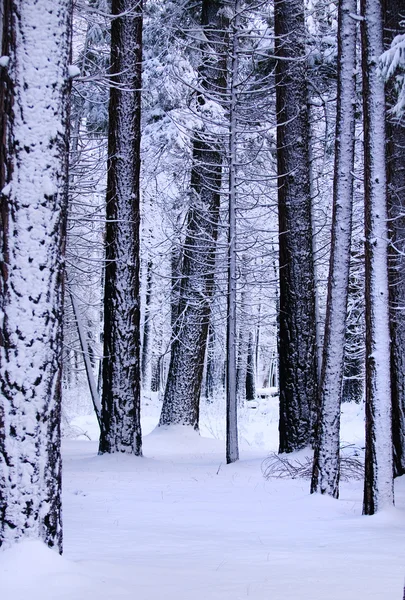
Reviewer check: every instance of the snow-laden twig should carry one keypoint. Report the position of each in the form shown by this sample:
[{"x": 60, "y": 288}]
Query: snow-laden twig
[{"x": 392, "y": 66}]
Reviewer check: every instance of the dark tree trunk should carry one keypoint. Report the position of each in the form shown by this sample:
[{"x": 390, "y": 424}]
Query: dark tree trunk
[
  {"x": 175, "y": 265},
  {"x": 155, "y": 383},
  {"x": 353, "y": 372},
  {"x": 297, "y": 321},
  {"x": 251, "y": 371},
  {"x": 121, "y": 429},
  {"x": 394, "y": 13},
  {"x": 183, "y": 387},
  {"x": 33, "y": 202},
  {"x": 146, "y": 346},
  {"x": 353, "y": 386}
]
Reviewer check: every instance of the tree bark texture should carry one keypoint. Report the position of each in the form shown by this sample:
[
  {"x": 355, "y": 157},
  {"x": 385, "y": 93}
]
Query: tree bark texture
[
  {"x": 396, "y": 273},
  {"x": 325, "y": 476},
  {"x": 183, "y": 387},
  {"x": 232, "y": 360},
  {"x": 34, "y": 90},
  {"x": 297, "y": 322},
  {"x": 378, "y": 485},
  {"x": 147, "y": 337},
  {"x": 251, "y": 371},
  {"x": 121, "y": 428},
  {"x": 353, "y": 371}
]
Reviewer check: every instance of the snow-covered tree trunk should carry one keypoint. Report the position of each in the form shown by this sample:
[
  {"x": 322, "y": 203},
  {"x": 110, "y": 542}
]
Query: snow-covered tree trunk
[
  {"x": 33, "y": 183},
  {"x": 121, "y": 428},
  {"x": 313, "y": 193},
  {"x": 232, "y": 447},
  {"x": 183, "y": 386},
  {"x": 378, "y": 486},
  {"x": 396, "y": 273},
  {"x": 297, "y": 323},
  {"x": 325, "y": 476}
]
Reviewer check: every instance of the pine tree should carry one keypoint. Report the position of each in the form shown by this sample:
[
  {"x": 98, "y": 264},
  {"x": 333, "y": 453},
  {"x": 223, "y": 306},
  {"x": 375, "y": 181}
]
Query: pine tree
[
  {"x": 184, "y": 380},
  {"x": 121, "y": 429},
  {"x": 232, "y": 448},
  {"x": 325, "y": 477},
  {"x": 297, "y": 321},
  {"x": 33, "y": 180},
  {"x": 396, "y": 203},
  {"x": 378, "y": 485}
]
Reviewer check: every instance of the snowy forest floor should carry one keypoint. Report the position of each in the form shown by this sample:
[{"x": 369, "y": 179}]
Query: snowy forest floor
[{"x": 180, "y": 524}]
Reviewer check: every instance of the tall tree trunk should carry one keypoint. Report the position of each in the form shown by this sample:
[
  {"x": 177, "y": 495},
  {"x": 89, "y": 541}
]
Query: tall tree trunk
[
  {"x": 183, "y": 387},
  {"x": 147, "y": 338},
  {"x": 121, "y": 428},
  {"x": 394, "y": 13},
  {"x": 251, "y": 371},
  {"x": 175, "y": 265},
  {"x": 378, "y": 485},
  {"x": 33, "y": 183},
  {"x": 297, "y": 326},
  {"x": 313, "y": 194},
  {"x": 232, "y": 369},
  {"x": 325, "y": 476}
]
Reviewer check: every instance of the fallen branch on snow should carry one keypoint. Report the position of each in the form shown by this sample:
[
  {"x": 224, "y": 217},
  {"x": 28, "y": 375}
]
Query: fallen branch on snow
[{"x": 280, "y": 466}]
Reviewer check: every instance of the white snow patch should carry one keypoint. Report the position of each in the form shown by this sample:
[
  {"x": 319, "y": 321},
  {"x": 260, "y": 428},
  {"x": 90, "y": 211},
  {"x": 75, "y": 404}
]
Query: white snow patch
[
  {"x": 180, "y": 523},
  {"x": 4, "y": 61},
  {"x": 6, "y": 190},
  {"x": 73, "y": 71},
  {"x": 31, "y": 570},
  {"x": 48, "y": 186}
]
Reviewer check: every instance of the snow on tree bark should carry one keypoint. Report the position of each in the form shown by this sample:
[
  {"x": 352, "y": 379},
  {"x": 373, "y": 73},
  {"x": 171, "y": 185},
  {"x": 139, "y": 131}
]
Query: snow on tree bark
[
  {"x": 33, "y": 182},
  {"x": 325, "y": 476},
  {"x": 378, "y": 485},
  {"x": 232, "y": 368},
  {"x": 121, "y": 428},
  {"x": 183, "y": 387},
  {"x": 396, "y": 273},
  {"x": 297, "y": 321},
  {"x": 181, "y": 399}
]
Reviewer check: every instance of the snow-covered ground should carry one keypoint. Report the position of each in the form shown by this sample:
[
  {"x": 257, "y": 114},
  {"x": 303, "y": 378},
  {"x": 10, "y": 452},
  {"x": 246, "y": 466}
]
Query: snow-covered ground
[{"x": 180, "y": 524}]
